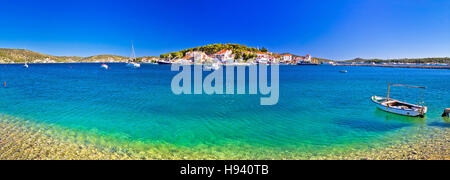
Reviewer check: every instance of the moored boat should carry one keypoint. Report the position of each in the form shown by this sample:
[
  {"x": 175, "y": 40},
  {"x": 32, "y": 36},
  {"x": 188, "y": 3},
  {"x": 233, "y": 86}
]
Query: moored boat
[
  {"x": 214, "y": 66},
  {"x": 398, "y": 107},
  {"x": 446, "y": 113},
  {"x": 164, "y": 63},
  {"x": 26, "y": 64},
  {"x": 306, "y": 63},
  {"x": 133, "y": 65},
  {"x": 104, "y": 66},
  {"x": 132, "y": 62}
]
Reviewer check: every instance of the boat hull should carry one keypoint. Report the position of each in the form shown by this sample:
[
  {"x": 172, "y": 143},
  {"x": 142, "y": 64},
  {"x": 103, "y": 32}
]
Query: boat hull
[
  {"x": 306, "y": 64},
  {"x": 400, "y": 111},
  {"x": 133, "y": 65},
  {"x": 164, "y": 63},
  {"x": 212, "y": 67}
]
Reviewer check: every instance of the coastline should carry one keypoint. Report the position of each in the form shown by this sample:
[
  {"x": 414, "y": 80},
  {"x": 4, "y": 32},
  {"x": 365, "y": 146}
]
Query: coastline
[
  {"x": 396, "y": 66},
  {"x": 67, "y": 63},
  {"x": 20, "y": 139},
  {"x": 247, "y": 64}
]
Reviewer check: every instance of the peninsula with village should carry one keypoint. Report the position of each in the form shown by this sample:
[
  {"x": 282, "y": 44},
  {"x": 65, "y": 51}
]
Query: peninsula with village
[{"x": 226, "y": 54}]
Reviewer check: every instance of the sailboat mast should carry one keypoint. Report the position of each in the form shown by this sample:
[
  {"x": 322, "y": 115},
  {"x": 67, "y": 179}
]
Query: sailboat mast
[
  {"x": 389, "y": 88},
  {"x": 25, "y": 55},
  {"x": 133, "y": 55},
  {"x": 421, "y": 97}
]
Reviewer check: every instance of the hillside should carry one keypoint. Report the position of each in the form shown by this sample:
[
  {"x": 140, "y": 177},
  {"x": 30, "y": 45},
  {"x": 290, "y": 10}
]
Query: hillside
[
  {"x": 22, "y": 55},
  {"x": 213, "y": 48},
  {"x": 239, "y": 51},
  {"x": 105, "y": 58}
]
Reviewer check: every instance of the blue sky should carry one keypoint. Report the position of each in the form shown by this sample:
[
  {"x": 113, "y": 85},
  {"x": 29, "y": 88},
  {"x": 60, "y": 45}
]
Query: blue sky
[{"x": 334, "y": 29}]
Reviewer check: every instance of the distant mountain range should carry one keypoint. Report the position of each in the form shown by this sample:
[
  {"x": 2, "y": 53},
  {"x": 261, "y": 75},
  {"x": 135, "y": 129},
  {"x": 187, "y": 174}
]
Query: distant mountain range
[
  {"x": 22, "y": 55},
  {"x": 445, "y": 60}
]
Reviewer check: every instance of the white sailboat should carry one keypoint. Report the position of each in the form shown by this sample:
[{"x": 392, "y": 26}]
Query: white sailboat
[
  {"x": 132, "y": 62},
  {"x": 398, "y": 107},
  {"x": 26, "y": 64}
]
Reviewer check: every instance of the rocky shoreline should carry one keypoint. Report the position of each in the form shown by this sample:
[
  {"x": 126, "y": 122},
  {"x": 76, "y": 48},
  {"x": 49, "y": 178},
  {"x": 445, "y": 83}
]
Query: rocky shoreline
[
  {"x": 19, "y": 141},
  {"x": 433, "y": 144}
]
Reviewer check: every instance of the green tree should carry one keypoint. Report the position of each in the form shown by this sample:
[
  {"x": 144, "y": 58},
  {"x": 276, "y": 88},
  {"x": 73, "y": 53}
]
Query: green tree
[
  {"x": 264, "y": 49},
  {"x": 164, "y": 56},
  {"x": 176, "y": 54},
  {"x": 238, "y": 55}
]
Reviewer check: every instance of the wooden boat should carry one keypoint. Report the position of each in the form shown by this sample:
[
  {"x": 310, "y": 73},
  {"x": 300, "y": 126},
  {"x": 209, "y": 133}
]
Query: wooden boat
[
  {"x": 398, "y": 107},
  {"x": 446, "y": 113}
]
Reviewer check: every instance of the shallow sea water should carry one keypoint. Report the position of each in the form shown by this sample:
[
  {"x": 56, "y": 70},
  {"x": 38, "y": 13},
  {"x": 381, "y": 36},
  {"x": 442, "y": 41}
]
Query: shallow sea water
[{"x": 133, "y": 112}]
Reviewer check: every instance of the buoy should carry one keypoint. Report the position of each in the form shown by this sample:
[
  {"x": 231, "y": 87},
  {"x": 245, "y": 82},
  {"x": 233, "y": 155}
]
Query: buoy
[
  {"x": 446, "y": 113},
  {"x": 4, "y": 84}
]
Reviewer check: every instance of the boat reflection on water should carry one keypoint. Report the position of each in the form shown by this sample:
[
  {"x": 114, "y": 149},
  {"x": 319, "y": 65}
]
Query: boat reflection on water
[{"x": 395, "y": 118}]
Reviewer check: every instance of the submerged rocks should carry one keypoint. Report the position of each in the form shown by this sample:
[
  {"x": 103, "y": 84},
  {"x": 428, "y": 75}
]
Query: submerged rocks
[{"x": 17, "y": 141}]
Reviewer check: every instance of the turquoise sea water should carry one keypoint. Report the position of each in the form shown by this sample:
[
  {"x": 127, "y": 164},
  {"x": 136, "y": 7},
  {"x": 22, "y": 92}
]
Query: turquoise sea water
[{"x": 319, "y": 108}]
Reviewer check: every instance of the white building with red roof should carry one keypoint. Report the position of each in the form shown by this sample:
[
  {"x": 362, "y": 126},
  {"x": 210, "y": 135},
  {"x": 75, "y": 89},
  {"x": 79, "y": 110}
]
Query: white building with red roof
[
  {"x": 262, "y": 57},
  {"x": 274, "y": 58},
  {"x": 299, "y": 58},
  {"x": 308, "y": 58},
  {"x": 224, "y": 55},
  {"x": 286, "y": 57},
  {"x": 197, "y": 56}
]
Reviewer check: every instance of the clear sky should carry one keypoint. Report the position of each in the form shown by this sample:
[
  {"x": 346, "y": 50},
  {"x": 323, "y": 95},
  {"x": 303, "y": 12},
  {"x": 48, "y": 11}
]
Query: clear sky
[{"x": 334, "y": 29}]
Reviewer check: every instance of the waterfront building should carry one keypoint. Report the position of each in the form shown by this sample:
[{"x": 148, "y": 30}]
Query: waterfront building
[
  {"x": 287, "y": 57},
  {"x": 262, "y": 57},
  {"x": 308, "y": 58},
  {"x": 197, "y": 56},
  {"x": 224, "y": 55}
]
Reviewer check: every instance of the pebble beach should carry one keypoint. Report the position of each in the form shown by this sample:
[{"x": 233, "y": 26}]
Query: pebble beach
[{"x": 27, "y": 141}]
